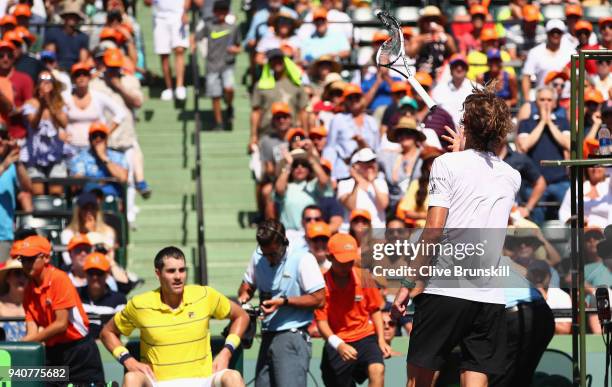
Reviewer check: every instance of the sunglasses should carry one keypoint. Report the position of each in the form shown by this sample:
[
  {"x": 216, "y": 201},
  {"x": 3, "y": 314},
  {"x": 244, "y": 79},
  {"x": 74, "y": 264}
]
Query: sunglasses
[
  {"x": 24, "y": 259},
  {"x": 95, "y": 273},
  {"x": 606, "y": 26},
  {"x": 301, "y": 163},
  {"x": 6, "y": 54},
  {"x": 390, "y": 324},
  {"x": 81, "y": 74},
  {"x": 97, "y": 135},
  {"x": 558, "y": 84},
  {"x": 309, "y": 219}
]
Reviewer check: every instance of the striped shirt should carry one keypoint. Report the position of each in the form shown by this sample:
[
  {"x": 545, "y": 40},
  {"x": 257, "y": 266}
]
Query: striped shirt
[{"x": 176, "y": 343}]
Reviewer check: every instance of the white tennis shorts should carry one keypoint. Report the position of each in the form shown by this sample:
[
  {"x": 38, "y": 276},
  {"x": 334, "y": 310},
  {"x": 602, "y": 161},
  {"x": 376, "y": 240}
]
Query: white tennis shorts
[{"x": 168, "y": 34}]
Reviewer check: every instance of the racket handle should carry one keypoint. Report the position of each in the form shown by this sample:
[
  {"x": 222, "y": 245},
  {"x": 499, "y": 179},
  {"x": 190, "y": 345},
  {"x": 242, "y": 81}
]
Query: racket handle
[{"x": 416, "y": 86}]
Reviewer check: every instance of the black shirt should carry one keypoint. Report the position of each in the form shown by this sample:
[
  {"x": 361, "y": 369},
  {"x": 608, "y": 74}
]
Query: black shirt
[
  {"x": 105, "y": 307},
  {"x": 31, "y": 66},
  {"x": 529, "y": 171}
]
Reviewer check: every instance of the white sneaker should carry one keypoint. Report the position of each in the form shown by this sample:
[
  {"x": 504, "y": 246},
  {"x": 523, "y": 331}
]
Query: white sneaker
[
  {"x": 181, "y": 93},
  {"x": 167, "y": 95}
]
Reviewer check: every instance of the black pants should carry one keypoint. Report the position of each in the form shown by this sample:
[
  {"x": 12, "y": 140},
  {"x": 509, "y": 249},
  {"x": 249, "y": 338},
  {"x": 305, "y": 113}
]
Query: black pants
[
  {"x": 82, "y": 359},
  {"x": 530, "y": 328}
]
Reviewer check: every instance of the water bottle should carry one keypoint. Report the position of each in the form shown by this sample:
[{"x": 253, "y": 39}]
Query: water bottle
[{"x": 605, "y": 142}]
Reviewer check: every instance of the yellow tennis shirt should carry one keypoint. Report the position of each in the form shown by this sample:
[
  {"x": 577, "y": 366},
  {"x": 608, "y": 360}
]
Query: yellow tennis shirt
[{"x": 176, "y": 343}]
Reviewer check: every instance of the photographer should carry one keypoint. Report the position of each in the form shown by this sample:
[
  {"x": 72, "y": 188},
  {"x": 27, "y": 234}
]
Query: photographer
[
  {"x": 13, "y": 175},
  {"x": 290, "y": 287}
]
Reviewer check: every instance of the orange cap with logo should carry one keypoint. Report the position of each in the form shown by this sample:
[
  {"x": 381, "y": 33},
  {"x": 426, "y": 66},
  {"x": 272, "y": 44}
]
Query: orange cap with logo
[
  {"x": 280, "y": 107},
  {"x": 96, "y": 261},
  {"x": 8, "y": 19},
  {"x": 319, "y": 13},
  {"x": 294, "y": 132},
  {"x": 317, "y": 229},
  {"x": 98, "y": 127},
  {"x": 530, "y": 12},
  {"x": 108, "y": 33},
  {"x": 424, "y": 78},
  {"x": 113, "y": 57},
  {"x": 22, "y": 10},
  {"x": 478, "y": 9},
  {"x": 325, "y": 163},
  {"x": 359, "y": 213},
  {"x": 13, "y": 36},
  {"x": 552, "y": 75},
  {"x": 488, "y": 34},
  {"x": 593, "y": 95},
  {"x": 583, "y": 25},
  {"x": 351, "y": 89},
  {"x": 343, "y": 247},
  {"x": 32, "y": 246},
  {"x": 319, "y": 131},
  {"x": 80, "y": 66},
  {"x": 573, "y": 10},
  {"x": 78, "y": 239},
  {"x": 399, "y": 86}
]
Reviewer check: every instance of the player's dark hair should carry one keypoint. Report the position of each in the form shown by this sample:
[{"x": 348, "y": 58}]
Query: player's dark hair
[
  {"x": 486, "y": 119},
  {"x": 167, "y": 252},
  {"x": 270, "y": 231},
  {"x": 311, "y": 207}
]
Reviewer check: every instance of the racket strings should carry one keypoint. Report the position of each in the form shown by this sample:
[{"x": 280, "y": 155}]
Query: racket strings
[{"x": 392, "y": 49}]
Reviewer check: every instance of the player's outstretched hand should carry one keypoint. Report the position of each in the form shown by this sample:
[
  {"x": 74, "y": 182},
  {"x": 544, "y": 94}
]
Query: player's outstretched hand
[{"x": 456, "y": 138}]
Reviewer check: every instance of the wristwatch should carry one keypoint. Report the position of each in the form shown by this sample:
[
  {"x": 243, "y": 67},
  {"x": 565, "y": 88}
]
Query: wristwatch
[{"x": 285, "y": 300}]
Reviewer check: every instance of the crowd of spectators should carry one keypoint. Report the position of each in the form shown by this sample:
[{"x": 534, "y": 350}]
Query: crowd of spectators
[{"x": 331, "y": 132}]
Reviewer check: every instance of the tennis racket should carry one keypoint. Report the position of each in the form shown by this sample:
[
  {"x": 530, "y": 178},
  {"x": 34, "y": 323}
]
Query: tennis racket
[{"x": 392, "y": 52}]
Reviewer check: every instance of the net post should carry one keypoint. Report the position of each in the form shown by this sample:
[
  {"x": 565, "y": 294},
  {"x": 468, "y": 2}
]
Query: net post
[{"x": 580, "y": 194}]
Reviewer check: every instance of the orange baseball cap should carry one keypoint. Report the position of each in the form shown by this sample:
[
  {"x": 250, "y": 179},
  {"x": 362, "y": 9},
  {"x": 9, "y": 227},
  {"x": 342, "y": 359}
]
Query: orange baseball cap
[
  {"x": 96, "y": 261},
  {"x": 98, "y": 127},
  {"x": 351, "y": 89},
  {"x": 325, "y": 163},
  {"x": 343, "y": 247},
  {"x": 25, "y": 34},
  {"x": 16, "y": 246},
  {"x": 604, "y": 20},
  {"x": 318, "y": 229},
  {"x": 78, "y": 239},
  {"x": 80, "y": 66},
  {"x": 280, "y": 107},
  {"x": 531, "y": 13},
  {"x": 573, "y": 10},
  {"x": 22, "y": 10},
  {"x": 593, "y": 95},
  {"x": 108, "y": 33},
  {"x": 5, "y": 44},
  {"x": 319, "y": 131},
  {"x": 583, "y": 25},
  {"x": 380, "y": 36},
  {"x": 424, "y": 78},
  {"x": 359, "y": 213},
  {"x": 32, "y": 246},
  {"x": 488, "y": 34},
  {"x": 399, "y": 86},
  {"x": 319, "y": 13},
  {"x": 8, "y": 19},
  {"x": 13, "y": 36},
  {"x": 589, "y": 147},
  {"x": 478, "y": 9},
  {"x": 113, "y": 57},
  {"x": 294, "y": 132},
  {"x": 553, "y": 75},
  {"x": 407, "y": 31}
]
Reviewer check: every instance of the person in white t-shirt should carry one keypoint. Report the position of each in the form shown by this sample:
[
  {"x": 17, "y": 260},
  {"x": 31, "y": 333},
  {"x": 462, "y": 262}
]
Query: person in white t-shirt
[
  {"x": 469, "y": 190},
  {"x": 171, "y": 35},
  {"x": 365, "y": 190}
]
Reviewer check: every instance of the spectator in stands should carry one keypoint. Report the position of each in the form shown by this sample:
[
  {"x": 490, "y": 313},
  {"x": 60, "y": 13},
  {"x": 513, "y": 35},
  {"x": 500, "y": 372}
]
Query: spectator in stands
[
  {"x": 49, "y": 60},
  {"x": 451, "y": 94},
  {"x": 285, "y": 354},
  {"x": 24, "y": 61},
  {"x": 280, "y": 82},
  {"x": 506, "y": 86},
  {"x": 403, "y": 167},
  {"x": 283, "y": 38},
  {"x": 22, "y": 89},
  {"x": 79, "y": 247},
  {"x": 523, "y": 36},
  {"x": 545, "y": 57},
  {"x": 12, "y": 286},
  {"x": 101, "y": 162},
  {"x": 412, "y": 208},
  {"x": 390, "y": 326},
  {"x": 45, "y": 152},
  {"x": 376, "y": 81},
  {"x": 596, "y": 270},
  {"x": 597, "y": 199},
  {"x": 574, "y": 22},
  {"x": 13, "y": 176},
  {"x": 318, "y": 136},
  {"x": 545, "y": 136},
  {"x": 324, "y": 41},
  {"x": 365, "y": 190},
  {"x": 310, "y": 214},
  {"x": 605, "y": 31},
  {"x": 300, "y": 182},
  {"x": 583, "y": 31},
  {"x": 349, "y": 131},
  {"x": 331, "y": 100},
  {"x": 55, "y": 315},
  {"x": 399, "y": 90},
  {"x": 478, "y": 59},
  {"x": 339, "y": 21},
  {"x": 317, "y": 236},
  {"x": 22, "y": 13},
  {"x": 558, "y": 80},
  {"x": 223, "y": 46},
  {"x": 593, "y": 101},
  {"x": 533, "y": 184},
  {"x": 360, "y": 228},
  {"x": 259, "y": 24},
  {"x": 432, "y": 46},
  {"x": 96, "y": 296},
  {"x": 273, "y": 144},
  {"x": 70, "y": 44},
  {"x": 86, "y": 107},
  {"x": 353, "y": 330},
  {"x": 317, "y": 76},
  {"x": 470, "y": 40},
  {"x": 603, "y": 79},
  {"x": 171, "y": 35}
]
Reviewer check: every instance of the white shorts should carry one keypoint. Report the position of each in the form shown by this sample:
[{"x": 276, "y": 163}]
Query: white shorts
[
  {"x": 168, "y": 34},
  {"x": 213, "y": 380}
]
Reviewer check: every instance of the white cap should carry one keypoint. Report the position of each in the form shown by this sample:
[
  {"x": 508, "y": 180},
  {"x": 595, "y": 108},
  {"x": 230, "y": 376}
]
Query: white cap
[
  {"x": 555, "y": 24},
  {"x": 363, "y": 156}
]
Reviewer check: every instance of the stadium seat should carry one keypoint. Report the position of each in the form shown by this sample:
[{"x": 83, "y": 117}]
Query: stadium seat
[
  {"x": 48, "y": 202},
  {"x": 453, "y": 12},
  {"x": 363, "y": 15},
  {"x": 407, "y": 14},
  {"x": 594, "y": 12},
  {"x": 553, "y": 11},
  {"x": 555, "y": 369}
]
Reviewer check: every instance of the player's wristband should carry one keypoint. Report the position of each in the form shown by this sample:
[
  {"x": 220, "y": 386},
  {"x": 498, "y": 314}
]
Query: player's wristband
[
  {"x": 124, "y": 357},
  {"x": 230, "y": 348},
  {"x": 334, "y": 341},
  {"x": 232, "y": 340},
  {"x": 407, "y": 283},
  {"x": 120, "y": 351}
]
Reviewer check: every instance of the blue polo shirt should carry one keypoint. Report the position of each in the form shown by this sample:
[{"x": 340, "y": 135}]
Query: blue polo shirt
[
  {"x": 8, "y": 185},
  {"x": 85, "y": 164},
  {"x": 297, "y": 274},
  {"x": 546, "y": 148}
]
